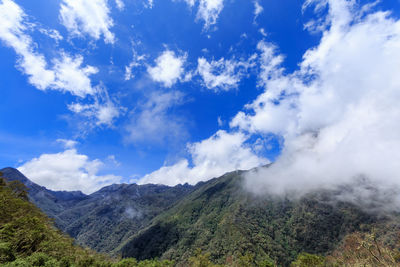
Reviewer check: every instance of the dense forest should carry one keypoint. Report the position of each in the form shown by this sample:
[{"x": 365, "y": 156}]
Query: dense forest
[
  {"x": 29, "y": 238},
  {"x": 213, "y": 226}
]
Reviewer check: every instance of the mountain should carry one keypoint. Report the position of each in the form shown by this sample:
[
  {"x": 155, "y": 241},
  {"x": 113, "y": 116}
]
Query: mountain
[
  {"x": 219, "y": 222},
  {"x": 51, "y": 202},
  {"x": 28, "y": 237},
  {"x": 227, "y": 222},
  {"x": 106, "y": 218}
]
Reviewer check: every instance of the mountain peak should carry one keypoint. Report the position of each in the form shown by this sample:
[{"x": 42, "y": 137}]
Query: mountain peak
[{"x": 13, "y": 174}]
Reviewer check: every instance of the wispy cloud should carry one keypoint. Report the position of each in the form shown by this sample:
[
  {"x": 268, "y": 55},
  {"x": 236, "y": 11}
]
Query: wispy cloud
[
  {"x": 208, "y": 10},
  {"x": 152, "y": 121},
  {"x": 223, "y": 74},
  {"x": 258, "y": 9}
]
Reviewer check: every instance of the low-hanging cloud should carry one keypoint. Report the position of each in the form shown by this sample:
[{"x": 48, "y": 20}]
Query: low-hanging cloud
[
  {"x": 212, "y": 157},
  {"x": 339, "y": 113}
]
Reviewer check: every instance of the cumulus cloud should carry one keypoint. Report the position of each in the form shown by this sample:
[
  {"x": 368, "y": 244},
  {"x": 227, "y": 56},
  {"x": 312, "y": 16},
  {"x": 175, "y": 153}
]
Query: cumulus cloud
[
  {"x": 12, "y": 33},
  {"x": 88, "y": 17},
  {"x": 221, "y": 153},
  {"x": 67, "y": 74},
  {"x": 223, "y": 74},
  {"x": 152, "y": 121},
  {"x": 71, "y": 77},
  {"x": 67, "y": 170},
  {"x": 168, "y": 69},
  {"x": 339, "y": 113}
]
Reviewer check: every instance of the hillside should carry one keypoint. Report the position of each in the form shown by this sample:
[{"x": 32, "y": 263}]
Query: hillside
[
  {"x": 228, "y": 223},
  {"x": 217, "y": 222},
  {"x": 51, "y": 202},
  {"x": 114, "y": 213},
  {"x": 28, "y": 237},
  {"x": 107, "y": 217}
]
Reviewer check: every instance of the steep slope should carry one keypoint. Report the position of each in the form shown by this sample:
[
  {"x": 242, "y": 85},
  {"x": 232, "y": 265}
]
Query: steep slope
[
  {"x": 224, "y": 220},
  {"x": 106, "y": 218},
  {"x": 28, "y": 238},
  {"x": 51, "y": 202}
]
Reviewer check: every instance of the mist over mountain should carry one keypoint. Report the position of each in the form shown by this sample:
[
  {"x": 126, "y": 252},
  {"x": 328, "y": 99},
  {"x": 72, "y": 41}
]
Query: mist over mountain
[
  {"x": 220, "y": 217},
  {"x": 223, "y": 218}
]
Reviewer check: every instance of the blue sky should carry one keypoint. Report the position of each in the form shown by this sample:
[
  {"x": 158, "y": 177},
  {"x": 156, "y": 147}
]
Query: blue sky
[{"x": 166, "y": 91}]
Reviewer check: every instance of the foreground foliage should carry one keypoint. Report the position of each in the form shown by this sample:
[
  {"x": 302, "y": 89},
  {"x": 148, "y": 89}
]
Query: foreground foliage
[
  {"x": 213, "y": 227},
  {"x": 28, "y": 237},
  {"x": 106, "y": 218}
]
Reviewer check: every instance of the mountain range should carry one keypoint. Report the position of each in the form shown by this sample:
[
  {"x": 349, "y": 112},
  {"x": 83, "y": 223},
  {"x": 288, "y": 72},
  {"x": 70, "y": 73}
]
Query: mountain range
[{"x": 217, "y": 217}]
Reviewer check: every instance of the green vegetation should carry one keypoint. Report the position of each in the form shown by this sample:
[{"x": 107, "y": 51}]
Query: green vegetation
[
  {"x": 216, "y": 224},
  {"x": 231, "y": 225},
  {"x": 28, "y": 237},
  {"x": 106, "y": 218}
]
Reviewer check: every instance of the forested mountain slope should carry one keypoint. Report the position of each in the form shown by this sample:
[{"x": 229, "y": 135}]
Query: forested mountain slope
[
  {"x": 107, "y": 217},
  {"x": 28, "y": 237},
  {"x": 222, "y": 219},
  {"x": 218, "y": 222}
]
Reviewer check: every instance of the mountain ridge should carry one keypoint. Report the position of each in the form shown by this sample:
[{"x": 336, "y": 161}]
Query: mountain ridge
[
  {"x": 218, "y": 217},
  {"x": 106, "y": 217}
]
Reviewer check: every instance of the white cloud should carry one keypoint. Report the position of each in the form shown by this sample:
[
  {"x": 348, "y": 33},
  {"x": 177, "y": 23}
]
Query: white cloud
[
  {"x": 53, "y": 34},
  {"x": 263, "y": 33},
  {"x": 71, "y": 77},
  {"x": 67, "y": 170},
  {"x": 338, "y": 113},
  {"x": 67, "y": 75},
  {"x": 120, "y": 4},
  {"x": 220, "y": 122},
  {"x": 168, "y": 69},
  {"x": 150, "y": 3},
  {"x": 68, "y": 144},
  {"x": 208, "y": 10},
  {"x": 12, "y": 29},
  {"x": 102, "y": 112},
  {"x": 153, "y": 122},
  {"x": 113, "y": 160},
  {"x": 221, "y": 153},
  {"x": 258, "y": 9},
  {"x": 223, "y": 74},
  {"x": 136, "y": 62},
  {"x": 87, "y": 17}
]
